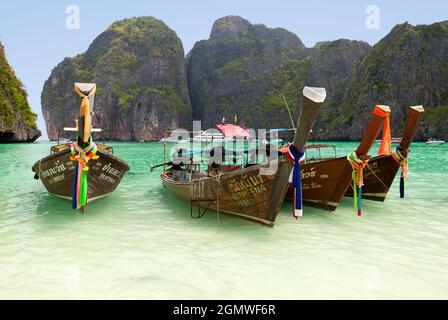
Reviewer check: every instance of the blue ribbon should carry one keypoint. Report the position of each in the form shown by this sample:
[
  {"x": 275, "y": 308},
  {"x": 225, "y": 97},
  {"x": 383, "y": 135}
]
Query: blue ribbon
[
  {"x": 401, "y": 187},
  {"x": 74, "y": 199},
  {"x": 399, "y": 158},
  {"x": 297, "y": 176},
  {"x": 359, "y": 200}
]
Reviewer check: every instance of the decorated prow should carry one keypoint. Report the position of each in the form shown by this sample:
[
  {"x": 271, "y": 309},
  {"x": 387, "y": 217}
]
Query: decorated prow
[
  {"x": 312, "y": 100},
  {"x": 81, "y": 171},
  {"x": 247, "y": 188},
  {"x": 83, "y": 149},
  {"x": 383, "y": 168}
]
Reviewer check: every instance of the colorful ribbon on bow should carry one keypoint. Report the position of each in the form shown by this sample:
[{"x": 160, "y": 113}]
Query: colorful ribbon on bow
[
  {"x": 400, "y": 156},
  {"x": 358, "y": 166},
  {"x": 294, "y": 156},
  {"x": 82, "y": 156},
  {"x": 385, "y": 147}
]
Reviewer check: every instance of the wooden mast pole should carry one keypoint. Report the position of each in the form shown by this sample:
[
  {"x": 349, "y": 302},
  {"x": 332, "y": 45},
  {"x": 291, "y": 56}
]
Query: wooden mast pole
[
  {"x": 311, "y": 102},
  {"x": 415, "y": 114},
  {"x": 86, "y": 91}
]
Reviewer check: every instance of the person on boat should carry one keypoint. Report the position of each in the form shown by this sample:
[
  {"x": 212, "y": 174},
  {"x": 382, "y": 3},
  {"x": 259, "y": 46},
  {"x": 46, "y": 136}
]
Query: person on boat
[
  {"x": 252, "y": 160},
  {"x": 179, "y": 165},
  {"x": 215, "y": 165},
  {"x": 267, "y": 150}
]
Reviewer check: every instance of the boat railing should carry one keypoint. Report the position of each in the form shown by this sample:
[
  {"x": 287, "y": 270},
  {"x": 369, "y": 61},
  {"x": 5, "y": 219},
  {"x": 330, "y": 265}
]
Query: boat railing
[
  {"x": 313, "y": 152},
  {"x": 105, "y": 148},
  {"x": 238, "y": 154},
  {"x": 58, "y": 148},
  {"x": 63, "y": 146}
]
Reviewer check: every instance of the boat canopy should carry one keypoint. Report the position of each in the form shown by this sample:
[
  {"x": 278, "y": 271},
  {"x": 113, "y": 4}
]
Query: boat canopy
[
  {"x": 233, "y": 130},
  {"x": 280, "y": 129},
  {"x": 224, "y": 151}
]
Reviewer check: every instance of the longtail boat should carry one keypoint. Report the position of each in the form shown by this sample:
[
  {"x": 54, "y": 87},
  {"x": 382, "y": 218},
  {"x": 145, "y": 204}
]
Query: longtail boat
[
  {"x": 325, "y": 181},
  {"x": 255, "y": 192},
  {"x": 382, "y": 169},
  {"x": 81, "y": 171}
]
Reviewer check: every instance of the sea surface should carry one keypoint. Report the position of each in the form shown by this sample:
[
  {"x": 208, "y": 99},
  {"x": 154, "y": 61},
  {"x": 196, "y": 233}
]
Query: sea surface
[{"x": 141, "y": 243}]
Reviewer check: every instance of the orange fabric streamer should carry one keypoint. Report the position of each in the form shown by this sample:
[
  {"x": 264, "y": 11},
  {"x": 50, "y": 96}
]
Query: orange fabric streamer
[{"x": 385, "y": 148}]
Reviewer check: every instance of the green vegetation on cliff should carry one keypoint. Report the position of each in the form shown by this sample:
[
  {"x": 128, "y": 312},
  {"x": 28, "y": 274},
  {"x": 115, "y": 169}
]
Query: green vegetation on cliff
[
  {"x": 247, "y": 69},
  {"x": 284, "y": 84},
  {"x": 145, "y": 86},
  {"x": 242, "y": 69},
  {"x": 13, "y": 98},
  {"x": 407, "y": 67},
  {"x": 138, "y": 65}
]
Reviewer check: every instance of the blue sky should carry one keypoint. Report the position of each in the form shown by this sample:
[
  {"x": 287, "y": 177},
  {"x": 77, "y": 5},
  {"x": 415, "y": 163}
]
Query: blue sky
[{"x": 36, "y": 38}]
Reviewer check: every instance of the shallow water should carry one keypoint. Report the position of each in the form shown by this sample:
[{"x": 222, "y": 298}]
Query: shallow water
[{"x": 140, "y": 242}]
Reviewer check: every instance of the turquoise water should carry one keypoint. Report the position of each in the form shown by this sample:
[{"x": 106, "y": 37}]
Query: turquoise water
[{"x": 141, "y": 242}]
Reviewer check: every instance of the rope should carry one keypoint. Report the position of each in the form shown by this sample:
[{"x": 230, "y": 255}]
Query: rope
[
  {"x": 197, "y": 188},
  {"x": 217, "y": 207},
  {"x": 218, "y": 180},
  {"x": 379, "y": 179},
  {"x": 37, "y": 191},
  {"x": 358, "y": 166},
  {"x": 393, "y": 192},
  {"x": 289, "y": 112},
  {"x": 197, "y": 194},
  {"x": 400, "y": 156}
]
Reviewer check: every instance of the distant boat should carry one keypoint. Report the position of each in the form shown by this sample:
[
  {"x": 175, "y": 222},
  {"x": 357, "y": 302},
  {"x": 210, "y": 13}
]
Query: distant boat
[
  {"x": 168, "y": 139},
  {"x": 227, "y": 132},
  {"x": 434, "y": 141},
  {"x": 63, "y": 141},
  {"x": 205, "y": 136},
  {"x": 392, "y": 140},
  {"x": 283, "y": 135}
]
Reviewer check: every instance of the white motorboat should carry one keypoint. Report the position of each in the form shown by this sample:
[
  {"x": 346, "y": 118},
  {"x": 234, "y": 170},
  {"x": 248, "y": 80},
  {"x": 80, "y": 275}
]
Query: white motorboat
[{"x": 434, "y": 141}]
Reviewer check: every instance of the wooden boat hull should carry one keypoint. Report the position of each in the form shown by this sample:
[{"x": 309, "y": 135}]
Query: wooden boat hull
[
  {"x": 378, "y": 178},
  {"x": 256, "y": 192},
  {"x": 245, "y": 193},
  {"x": 324, "y": 183},
  {"x": 381, "y": 170},
  {"x": 57, "y": 173}
]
